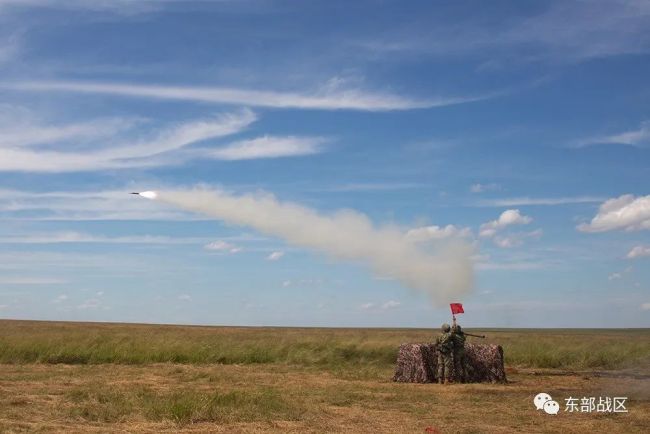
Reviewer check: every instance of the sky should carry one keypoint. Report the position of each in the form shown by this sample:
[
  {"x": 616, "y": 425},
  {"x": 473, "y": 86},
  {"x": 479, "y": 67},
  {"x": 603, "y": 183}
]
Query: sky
[{"x": 520, "y": 129}]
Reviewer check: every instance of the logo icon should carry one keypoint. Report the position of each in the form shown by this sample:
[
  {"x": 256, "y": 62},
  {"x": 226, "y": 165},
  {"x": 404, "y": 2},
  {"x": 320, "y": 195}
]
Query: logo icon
[
  {"x": 543, "y": 401},
  {"x": 551, "y": 407}
]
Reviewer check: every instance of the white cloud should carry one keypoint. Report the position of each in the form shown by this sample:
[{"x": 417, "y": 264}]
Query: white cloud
[
  {"x": 223, "y": 246},
  {"x": 324, "y": 99},
  {"x": 268, "y": 147},
  {"x": 639, "y": 137},
  {"x": 645, "y": 306},
  {"x": 427, "y": 233},
  {"x": 614, "y": 276},
  {"x": 543, "y": 201},
  {"x": 638, "y": 252},
  {"x": 275, "y": 256},
  {"x": 507, "y": 218},
  {"x": 390, "y": 304},
  {"x": 626, "y": 212},
  {"x": 516, "y": 239},
  {"x": 18, "y": 131},
  {"x": 142, "y": 153},
  {"x": 61, "y": 298},
  {"x": 481, "y": 188},
  {"x": 92, "y": 303},
  {"x": 185, "y": 297},
  {"x": 507, "y": 242}
]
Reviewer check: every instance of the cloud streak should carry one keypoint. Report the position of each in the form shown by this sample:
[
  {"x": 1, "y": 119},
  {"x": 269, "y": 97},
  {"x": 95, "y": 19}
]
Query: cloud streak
[
  {"x": 141, "y": 153},
  {"x": 482, "y": 188},
  {"x": 268, "y": 147},
  {"x": 639, "y": 138},
  {"x": 23, "y": 133},
  {"x": 326, "y": 99}
]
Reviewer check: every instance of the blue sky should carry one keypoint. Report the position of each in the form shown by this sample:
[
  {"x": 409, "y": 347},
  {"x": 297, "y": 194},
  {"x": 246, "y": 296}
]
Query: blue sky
[{"x": 522, "y": 128}]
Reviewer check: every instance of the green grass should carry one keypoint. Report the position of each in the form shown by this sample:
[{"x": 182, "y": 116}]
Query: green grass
[{"x": 369, "y": 351}]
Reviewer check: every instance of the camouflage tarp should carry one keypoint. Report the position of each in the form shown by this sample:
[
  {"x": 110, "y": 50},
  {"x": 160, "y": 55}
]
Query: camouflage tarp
[
  {"x": 417, "y": 363},
  {"x": 485, "y": 363}
]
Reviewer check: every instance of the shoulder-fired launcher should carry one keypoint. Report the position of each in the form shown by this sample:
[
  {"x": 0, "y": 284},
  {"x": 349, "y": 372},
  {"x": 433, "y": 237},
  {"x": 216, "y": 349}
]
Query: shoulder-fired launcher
[{"x": 476, "y": 336}]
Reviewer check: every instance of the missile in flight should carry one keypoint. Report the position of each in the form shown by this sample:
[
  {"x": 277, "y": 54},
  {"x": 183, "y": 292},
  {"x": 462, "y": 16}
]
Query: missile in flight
[{"x": 147, "y": 194}]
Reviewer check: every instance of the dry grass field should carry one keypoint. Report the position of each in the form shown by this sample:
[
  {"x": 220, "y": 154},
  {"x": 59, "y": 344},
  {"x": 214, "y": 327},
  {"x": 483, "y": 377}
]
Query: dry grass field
[{"x": 75, "y": 377}]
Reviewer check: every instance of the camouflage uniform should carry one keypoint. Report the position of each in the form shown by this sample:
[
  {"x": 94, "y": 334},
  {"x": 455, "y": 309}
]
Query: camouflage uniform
[
  {"x": 445, "y": 346},
  {"x": 460, "y": 363}
]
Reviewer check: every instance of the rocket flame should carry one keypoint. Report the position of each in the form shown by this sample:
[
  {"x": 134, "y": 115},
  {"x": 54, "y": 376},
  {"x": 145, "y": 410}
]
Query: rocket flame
[{"x": 149, "y": 194}]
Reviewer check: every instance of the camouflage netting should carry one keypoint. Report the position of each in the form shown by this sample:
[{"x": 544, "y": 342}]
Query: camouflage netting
[{"x": 417, "y": 363}]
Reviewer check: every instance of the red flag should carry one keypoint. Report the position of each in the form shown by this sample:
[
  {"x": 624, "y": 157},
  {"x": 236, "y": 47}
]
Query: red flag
[{"x": 456, "y": 308}]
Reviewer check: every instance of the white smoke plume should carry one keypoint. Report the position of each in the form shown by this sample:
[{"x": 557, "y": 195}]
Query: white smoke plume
[{"x": 443, "y": 270}]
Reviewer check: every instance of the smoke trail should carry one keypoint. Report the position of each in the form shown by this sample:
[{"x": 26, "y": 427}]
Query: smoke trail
[{"x": 443, "y": 271}]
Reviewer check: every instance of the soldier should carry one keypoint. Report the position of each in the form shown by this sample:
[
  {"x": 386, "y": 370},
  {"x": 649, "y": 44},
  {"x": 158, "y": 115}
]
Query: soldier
[
  {"x": 445, "y": 345},
  {"x": 460, "y": 364}
]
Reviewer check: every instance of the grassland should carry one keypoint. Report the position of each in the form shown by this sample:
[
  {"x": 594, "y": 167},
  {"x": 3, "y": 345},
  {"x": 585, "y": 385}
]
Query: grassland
[{"x": 141, "y": 378}]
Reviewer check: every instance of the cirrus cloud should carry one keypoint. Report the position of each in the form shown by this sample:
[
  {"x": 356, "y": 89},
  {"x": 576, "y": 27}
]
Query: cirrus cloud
[
  {"x": 268, "y": 147},
  {"x": 639, "y": 137},
  {"x": 323, "y": 99},
  {"x": 19, "y": 155}
]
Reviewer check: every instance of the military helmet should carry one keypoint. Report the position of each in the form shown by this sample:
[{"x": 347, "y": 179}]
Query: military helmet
[
  {"x": 446, "y": 327},
  {"x": 457, "y": 328}
]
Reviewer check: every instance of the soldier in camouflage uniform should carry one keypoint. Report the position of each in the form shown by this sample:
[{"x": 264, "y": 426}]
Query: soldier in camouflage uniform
[
  {"x": 460, "y": 364},
  {"x": 445, "y": 345}
]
